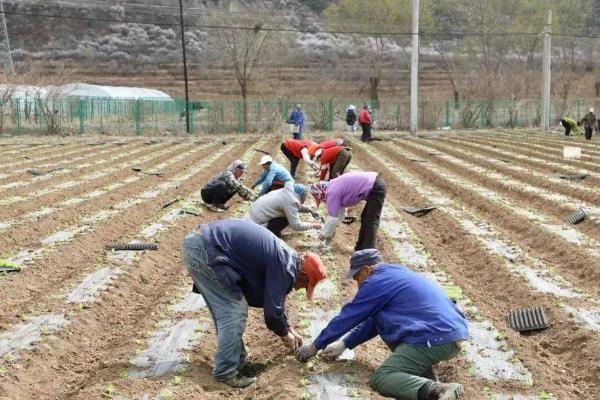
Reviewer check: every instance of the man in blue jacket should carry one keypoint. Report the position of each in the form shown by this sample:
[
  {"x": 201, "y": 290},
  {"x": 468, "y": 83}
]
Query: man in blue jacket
[
  {"x": 273, "y": 177},
  {"x": 234, "y": 264},
  {"x": 411, "y": 314},
  {"x": 297, "y": 118}
]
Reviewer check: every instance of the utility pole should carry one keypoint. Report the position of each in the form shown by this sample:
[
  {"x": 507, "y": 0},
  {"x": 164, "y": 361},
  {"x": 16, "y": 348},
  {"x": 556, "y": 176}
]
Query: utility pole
[
  {"x": 414, "y": 69},
  {"x": 5, "y": 55},
  {"x": 546, "y": 66},
  {"x": 185, "y": 72}
]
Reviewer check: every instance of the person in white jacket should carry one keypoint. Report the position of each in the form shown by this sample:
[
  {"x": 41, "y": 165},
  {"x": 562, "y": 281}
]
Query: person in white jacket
[{"x": 279, "y": 209}]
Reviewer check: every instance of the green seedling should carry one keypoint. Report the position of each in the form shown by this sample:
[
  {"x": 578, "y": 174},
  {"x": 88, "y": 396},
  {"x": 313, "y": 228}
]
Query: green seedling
[
  {"x": 139, "y": 342},
  {"x": 350, "y": 379},
  {"x": 306, "y": 395},
  {"x": 176, "y": 381},
  {"x": 3, "y": 371},
  {"x": 167, "y": 394},
  {"x": 500, "y": 336},
  {"x": 110, "y": 389},
  {"x": 303, "y": 382},
  {"x": 546, "y": 396},
  {"x": 124, "y": 374},
  {"x": 354, "y": 393},
  {"x": 454, "y": 292}
]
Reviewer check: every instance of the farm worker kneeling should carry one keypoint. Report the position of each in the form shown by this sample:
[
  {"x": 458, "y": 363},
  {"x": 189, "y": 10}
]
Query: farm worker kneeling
[
  {"x": 295, "y": 150},
  {"x": 411, "y": 314},
  {"x": 224, "y": 186},
  {"x": 333, "y": 159},
  {"x": 279, "y": 208},
  {"x": 347, "y": 191},
  {"x": 236, "y": 263},
  {"x": 569, "y": 125},
  {"x": 273, "y": 177}
]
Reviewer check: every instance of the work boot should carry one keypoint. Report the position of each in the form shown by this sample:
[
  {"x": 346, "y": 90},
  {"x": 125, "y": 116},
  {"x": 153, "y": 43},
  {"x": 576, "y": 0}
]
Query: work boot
[
  {"x": 445, "y": 391},
  {"x": 239, "y": 381},
  {"x": 213, "y": 208},
  {"x": 222, "y": 206},
  {"x": 251, "y": 369}
]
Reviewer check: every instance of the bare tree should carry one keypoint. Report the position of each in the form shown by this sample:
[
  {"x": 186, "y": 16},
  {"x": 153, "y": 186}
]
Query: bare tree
[
  {"x": 49, "y": 97},
  {"x": 8, "y": 86}
]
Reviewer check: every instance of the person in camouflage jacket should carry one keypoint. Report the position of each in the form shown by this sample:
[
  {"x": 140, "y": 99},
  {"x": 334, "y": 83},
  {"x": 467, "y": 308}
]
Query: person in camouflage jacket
[
  {"x": 224, "y": 186},
  {"x": 589, "y": 122}
]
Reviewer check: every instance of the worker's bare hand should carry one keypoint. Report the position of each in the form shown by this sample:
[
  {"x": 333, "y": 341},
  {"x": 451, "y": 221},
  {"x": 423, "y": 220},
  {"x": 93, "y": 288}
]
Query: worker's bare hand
[{"x": 292, "y": 340}]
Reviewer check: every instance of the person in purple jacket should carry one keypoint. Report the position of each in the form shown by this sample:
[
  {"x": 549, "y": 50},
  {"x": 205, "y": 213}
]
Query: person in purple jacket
[
  {"x": 347, "y": 191},
  {"x": 411, "y": 314}
]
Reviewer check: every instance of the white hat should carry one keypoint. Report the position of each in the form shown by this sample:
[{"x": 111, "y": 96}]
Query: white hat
[
  {"x": 591, "y": 109},
  {"x": 265, "y": 159}
]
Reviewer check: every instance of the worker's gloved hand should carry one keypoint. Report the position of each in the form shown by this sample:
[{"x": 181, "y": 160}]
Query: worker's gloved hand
[
  {"x": 292, "y": 340},
  {"x": 305, "y": 352},
  {"x": 315, "y": 214},
  {"x": 348, "y": 148},
  {"x": 334, "y": 350},
  {"x": 314, "y": 166},
  {"x": 321, "y": 236}
]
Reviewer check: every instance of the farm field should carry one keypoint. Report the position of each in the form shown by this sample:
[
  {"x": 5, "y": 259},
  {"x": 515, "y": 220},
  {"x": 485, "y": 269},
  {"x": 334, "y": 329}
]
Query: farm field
[{"x": 81, "y": 322}]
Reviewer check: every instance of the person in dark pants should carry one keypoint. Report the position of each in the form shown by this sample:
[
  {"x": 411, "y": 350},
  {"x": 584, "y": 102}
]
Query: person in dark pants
[
  {"x": 333, "y": 160},
  {"x": 365, "y": 120},
  {"x": 589, "y": 122},
  {"x": 411, "y": 314},
  {"x": 224, "y": 186},
  {"x": 279, "y": 209},
  {"x": 347, "y": 191},
  {"x": 570, "y": 125},
  {"x": 234, "y": 264},
  {"x": 296, "y": 150}
]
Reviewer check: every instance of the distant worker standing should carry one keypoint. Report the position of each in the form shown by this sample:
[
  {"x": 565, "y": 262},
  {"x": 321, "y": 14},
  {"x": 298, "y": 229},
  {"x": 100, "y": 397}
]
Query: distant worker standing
[
  {"x": 365, "y": 120},
  {"x": 589, "y": 122},
  {"x": 297, "y": 119},
  {"x": 411, "y": 314},
  {"x": 347, "y": 191},
  {"x": 273, "y": 177},
  {"x": 295, "y": 150},
  {"x": 570, "y": 125},
  {"x": 234, "y": 264},
  {"x": 351, "y": 118}
]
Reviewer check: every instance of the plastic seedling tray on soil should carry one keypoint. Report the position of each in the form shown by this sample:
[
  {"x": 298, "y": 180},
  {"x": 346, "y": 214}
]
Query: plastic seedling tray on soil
[
  {"x": 528, "y": 319},
  {"x": 574, "y": 177},
  {"x": 418, "y": 212},
  {"x": 132, "y": 246},
  {"x": 576, "y": 217}
]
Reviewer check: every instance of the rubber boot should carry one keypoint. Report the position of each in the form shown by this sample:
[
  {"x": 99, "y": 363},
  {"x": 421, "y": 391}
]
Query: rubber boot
[
  {"x": 239, "y": 382},
  {"x": 445, "y": 391}
]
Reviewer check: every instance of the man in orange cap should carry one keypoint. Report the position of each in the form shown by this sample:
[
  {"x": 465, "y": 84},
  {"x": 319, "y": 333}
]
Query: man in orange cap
[{"x": 234, "y": 264}]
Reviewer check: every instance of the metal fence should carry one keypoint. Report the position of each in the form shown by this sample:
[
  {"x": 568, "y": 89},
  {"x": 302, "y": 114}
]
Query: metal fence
[{"x": 151, "y": 117}]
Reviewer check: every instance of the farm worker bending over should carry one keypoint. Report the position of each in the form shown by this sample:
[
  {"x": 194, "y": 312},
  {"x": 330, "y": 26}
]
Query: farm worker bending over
[
  {"x": 273, "y": 177},
  {"x": 333, "y": 160},
  {"x": 297, "y": 118},
  {"x": 589, "y": 122},
  {"x": 279, "y": 208},
  {"x": 569, "y": 125},
  {"x": 224, "y": 186},
  {"x": 365, "y": 120},
  {"x": 411, "y": 314},
  {"x": 236, "y": 263},
  {"x": 347, "y": 191},
  {"x": 295, "y": 150}
]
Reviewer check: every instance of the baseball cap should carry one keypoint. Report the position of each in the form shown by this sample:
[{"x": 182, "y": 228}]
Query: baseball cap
[
  {"x": 363, "y": 258},
  {"x": 315, "y": 270},
  {"x": 265, "y": 159}
]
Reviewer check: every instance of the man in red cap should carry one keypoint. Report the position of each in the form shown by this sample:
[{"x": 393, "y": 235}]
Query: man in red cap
[{"x": 234, "y": 264}]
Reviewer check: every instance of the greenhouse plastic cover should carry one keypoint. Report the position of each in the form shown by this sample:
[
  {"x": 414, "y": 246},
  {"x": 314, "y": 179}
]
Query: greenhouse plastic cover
[
  {"x": 85, "y": 90},
  {"x": 113, "y": 92}
]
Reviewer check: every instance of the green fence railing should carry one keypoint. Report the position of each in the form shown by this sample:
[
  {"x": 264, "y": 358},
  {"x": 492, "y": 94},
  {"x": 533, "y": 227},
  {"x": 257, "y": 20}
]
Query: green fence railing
[{"x": 151, "y": 116}]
